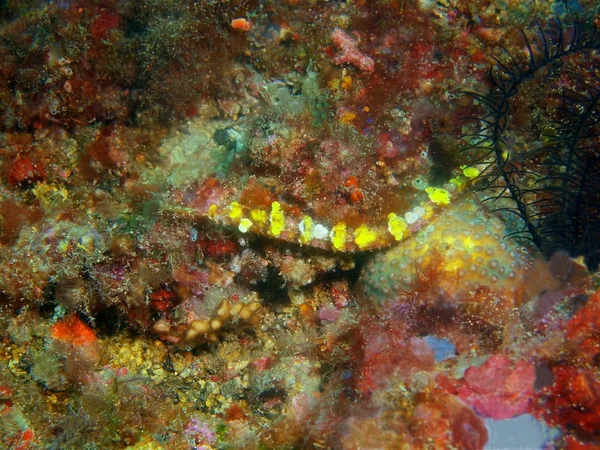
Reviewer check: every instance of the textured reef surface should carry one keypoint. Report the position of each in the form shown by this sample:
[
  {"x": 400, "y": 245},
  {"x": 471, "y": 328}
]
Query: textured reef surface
[{"x": 361, "y": 224}]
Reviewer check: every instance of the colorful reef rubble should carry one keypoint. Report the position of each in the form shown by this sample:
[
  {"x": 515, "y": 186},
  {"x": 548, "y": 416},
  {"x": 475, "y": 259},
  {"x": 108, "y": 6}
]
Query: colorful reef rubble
[{"x": 299, "y": 224}]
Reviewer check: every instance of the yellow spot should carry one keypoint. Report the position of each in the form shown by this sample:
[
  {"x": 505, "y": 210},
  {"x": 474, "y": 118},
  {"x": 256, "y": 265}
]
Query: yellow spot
[
  {"x": 366, "y": 109},
  {"x": 470, "y": 172},
  {"x": 212, "y": 211},
  {"x": 363, "y": 236},
  {"x": 48, "y": 193},
  {"x": 277, "y": 219},
  {"x": 453, "y": 265},
  {"x": 259, "y": 216},
  {"x": 346, "y": 83},
  {"x": 348, "y": 117},
  {"x": 338, "y": 236},
  {"x": 397, "y": 226},
  {"x": 449, "y": 240},
  {"x": 245, "y": 225},
  {"x": 307, "y": 227},
  {"x": 438, "y": 195},
  {"x": 63, "y": 246},
  {"x": 468, "y": 243},
  {"x": 429, "y": 211},
  {"x": 235, "y": 211},
  {"x": 84, "y": 248}
]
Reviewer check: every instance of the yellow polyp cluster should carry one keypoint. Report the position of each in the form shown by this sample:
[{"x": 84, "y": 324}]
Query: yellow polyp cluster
[
  {"x": 207, "y": 330},
  {"x": 236, "y": 211},
  {"x": 346, "y": 83},
  {"x": 277, "y": 219},
  {"x": 307, "y": 231},
  {"x": 306, "y": 227},
  {"x": 48, "y": 193},
  {"x": 213, "y": 210},
  {"x": 338, "y": 236},
  {"x": 364, "y": 237},
  {"x": 397, "y": 226},
  {"x": 438, "y": 196},
  {"x": 470, "y": 172},
  {"x": 259, "y": 216}
]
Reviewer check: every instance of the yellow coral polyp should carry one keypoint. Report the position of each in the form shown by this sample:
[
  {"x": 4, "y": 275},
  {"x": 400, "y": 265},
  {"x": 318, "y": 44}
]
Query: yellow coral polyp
[
  {"x": 438, "y": 196},
  {"x": 397, "y": 226},
  {"x": 347, "y": 118},
  {"x": 277, "y": 219},
  {"x": 364, "y": 237},
  {"x": 213, "y": 210},
  {"x": 259, "y": 216},
  {"x": 470, "y": 172},
  {"x": 236, "y": 212},
  {"x": 338, "y": 236},
  {"x": 346, "y": 83},
  {"x": 306, "y": 227}
]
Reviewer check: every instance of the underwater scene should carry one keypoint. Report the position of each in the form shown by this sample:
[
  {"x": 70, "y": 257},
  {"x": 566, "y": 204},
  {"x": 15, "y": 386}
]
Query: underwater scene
[{"x": 299, "y": 224}]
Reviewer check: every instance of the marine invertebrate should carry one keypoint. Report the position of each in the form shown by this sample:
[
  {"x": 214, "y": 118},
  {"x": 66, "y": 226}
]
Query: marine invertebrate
[
  {"x": 474, "y": 257},
  {"x": 553, "y": 188},
  {"x": 286, "y": 222},
  {"x": 350, "y": 54}
]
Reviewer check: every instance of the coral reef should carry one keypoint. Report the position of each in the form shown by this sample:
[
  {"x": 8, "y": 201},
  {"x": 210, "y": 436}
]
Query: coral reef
[{"x": 247, "y": 224}]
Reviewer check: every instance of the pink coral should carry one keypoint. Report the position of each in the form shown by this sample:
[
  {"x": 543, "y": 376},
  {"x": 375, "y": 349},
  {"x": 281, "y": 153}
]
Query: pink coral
[
  {"x": 500, "y": 388},
  {"x": 329, "y": 314},
  {"x": 350, "y": 54}
]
